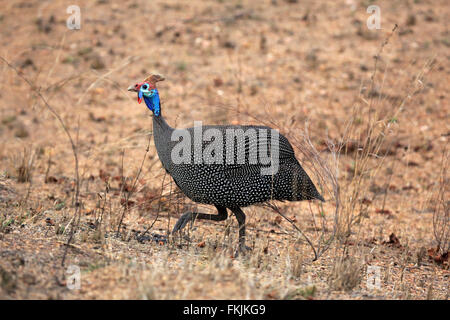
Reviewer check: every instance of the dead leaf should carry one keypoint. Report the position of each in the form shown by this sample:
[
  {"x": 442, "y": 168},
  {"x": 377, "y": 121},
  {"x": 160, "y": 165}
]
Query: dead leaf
[
  {"x": 201, "y": 244},
  {"x": 104, "y": 175},
  {"x": 128, "y": 203},
  {"x": 51, "y": 179},
  {"x": 272, "y": 295},
  {"x": 49, "y": 222},
  {"x": 437, "y": 257},
  {"x": 393, "y": 241},
  {"x": 383, "y": 211},
  {"x": 277, "y": 220}
]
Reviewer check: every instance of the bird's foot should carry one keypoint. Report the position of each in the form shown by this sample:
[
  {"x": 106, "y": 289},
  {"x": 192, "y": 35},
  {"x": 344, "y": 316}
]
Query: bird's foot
[
  {"x": 182, "y": 222},
  {"x": 242, "y": 250}
]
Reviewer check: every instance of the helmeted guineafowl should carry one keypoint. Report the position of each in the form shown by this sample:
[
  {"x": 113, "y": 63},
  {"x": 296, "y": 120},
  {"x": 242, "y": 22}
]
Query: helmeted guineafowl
[{"x": 228, "y": 166}]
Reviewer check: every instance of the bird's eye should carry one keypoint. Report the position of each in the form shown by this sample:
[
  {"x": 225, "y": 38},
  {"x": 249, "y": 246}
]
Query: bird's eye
[{"x": 145, "y": 87}]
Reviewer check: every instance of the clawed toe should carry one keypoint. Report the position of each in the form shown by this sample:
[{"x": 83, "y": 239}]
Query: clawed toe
[{"x": 242, "y": 250}]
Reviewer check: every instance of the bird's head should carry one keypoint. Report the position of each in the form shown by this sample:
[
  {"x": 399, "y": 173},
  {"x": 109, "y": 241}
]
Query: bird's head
[{"x": 147, "y": 90}]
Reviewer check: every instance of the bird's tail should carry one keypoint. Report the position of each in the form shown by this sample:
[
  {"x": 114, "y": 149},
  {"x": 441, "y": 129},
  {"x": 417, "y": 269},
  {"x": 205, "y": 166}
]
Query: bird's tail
[{"x": 305, "y": 188}]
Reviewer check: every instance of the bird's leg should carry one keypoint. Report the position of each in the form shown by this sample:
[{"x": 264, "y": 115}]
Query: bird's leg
[
  {"x": 191, "y": 216},
  {"x": 240, "y": 217}
]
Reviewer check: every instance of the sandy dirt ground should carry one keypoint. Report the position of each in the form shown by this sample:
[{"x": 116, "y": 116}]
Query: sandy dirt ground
[{"x": 290, "y": 64}]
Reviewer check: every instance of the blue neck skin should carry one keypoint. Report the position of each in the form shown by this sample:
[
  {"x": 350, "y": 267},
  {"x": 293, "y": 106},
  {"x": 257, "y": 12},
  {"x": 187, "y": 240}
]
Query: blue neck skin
[{"x": 153, "y": 103}]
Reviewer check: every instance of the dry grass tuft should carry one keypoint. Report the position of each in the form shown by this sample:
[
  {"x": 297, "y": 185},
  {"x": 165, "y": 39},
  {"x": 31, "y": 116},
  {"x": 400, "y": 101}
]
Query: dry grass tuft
[
  {"x": 24, "y": 164},
  {"x": 346, "y": 274},
  {"x": 441, "y": 209}
]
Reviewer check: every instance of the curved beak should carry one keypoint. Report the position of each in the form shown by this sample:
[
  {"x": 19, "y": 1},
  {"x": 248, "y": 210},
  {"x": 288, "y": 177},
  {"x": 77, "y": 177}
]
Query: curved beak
[{"x": 133, "y": 88}]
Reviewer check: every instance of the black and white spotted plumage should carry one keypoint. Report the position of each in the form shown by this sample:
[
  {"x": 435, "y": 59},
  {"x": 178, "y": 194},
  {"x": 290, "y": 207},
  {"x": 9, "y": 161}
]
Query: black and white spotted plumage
[{"x": 235, "y": 185}]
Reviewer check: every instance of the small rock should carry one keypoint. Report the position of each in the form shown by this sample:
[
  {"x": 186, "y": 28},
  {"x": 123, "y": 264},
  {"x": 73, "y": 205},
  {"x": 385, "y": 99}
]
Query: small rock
[{"x": 97, "y": 63}]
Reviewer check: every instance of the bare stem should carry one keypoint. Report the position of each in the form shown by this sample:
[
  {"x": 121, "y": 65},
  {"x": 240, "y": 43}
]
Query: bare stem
[{"x": 72, "y": 144}]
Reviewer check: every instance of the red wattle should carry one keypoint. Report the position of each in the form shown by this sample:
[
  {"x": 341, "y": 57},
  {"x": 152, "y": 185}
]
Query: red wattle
[{"x": 139, "y": 100}]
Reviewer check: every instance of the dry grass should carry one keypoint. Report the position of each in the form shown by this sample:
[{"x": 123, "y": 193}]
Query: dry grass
[
  {"x": 23, "y": 165},
  {"x": 346, "y": 274},
  {"x": 441, "y": 212},
  {"x": 369, "y": 131}
]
